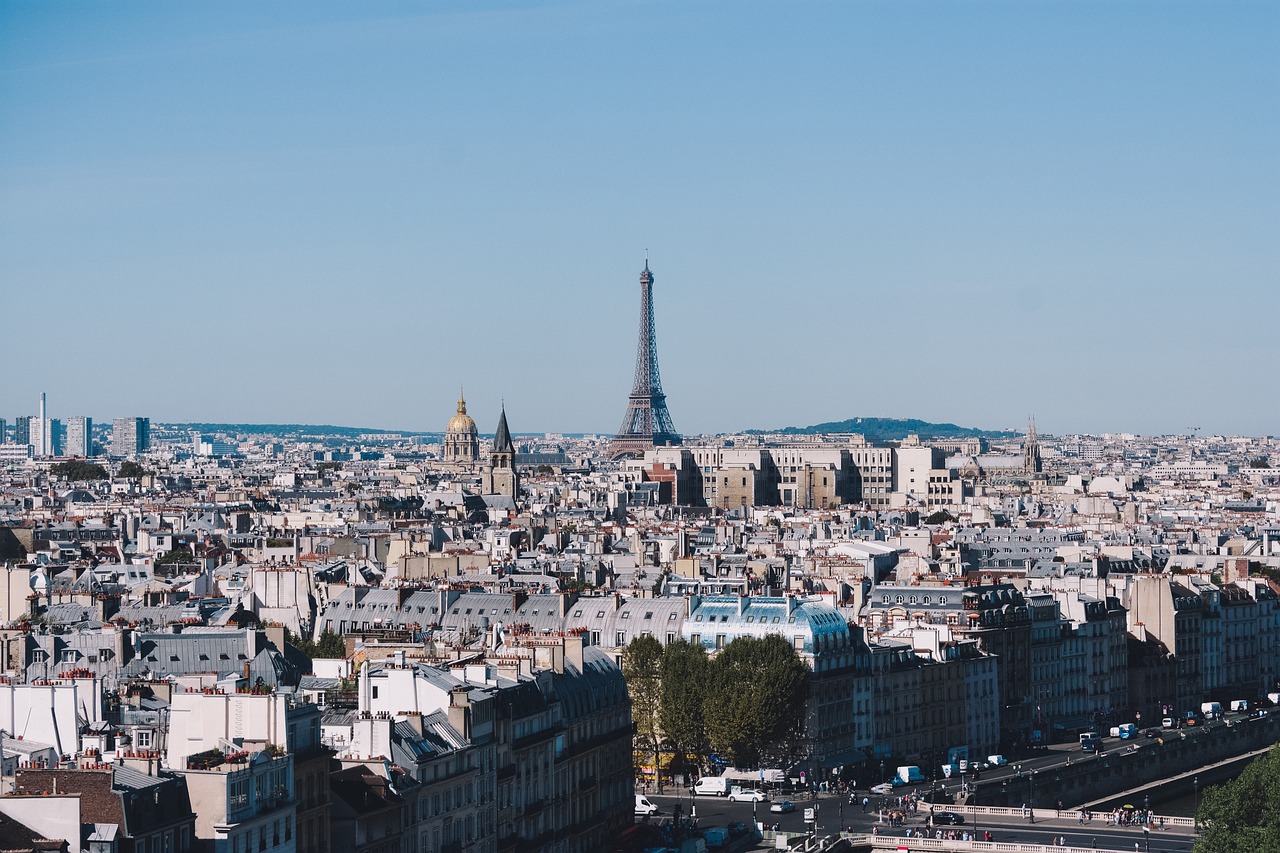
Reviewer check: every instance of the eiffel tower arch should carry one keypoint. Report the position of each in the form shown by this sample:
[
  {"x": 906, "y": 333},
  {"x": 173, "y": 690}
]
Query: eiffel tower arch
[{"x": 647, "y": 422}]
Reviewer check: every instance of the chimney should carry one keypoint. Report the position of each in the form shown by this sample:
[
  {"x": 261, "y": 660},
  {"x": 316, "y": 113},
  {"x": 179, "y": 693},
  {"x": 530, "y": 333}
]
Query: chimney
[
  {"x": 460, "y": 711},
  {"x": 574, "y": 650}
]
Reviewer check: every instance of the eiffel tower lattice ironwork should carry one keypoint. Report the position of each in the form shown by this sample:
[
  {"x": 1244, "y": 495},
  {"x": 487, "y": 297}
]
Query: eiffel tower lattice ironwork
[{"x": 647, "y": 422}]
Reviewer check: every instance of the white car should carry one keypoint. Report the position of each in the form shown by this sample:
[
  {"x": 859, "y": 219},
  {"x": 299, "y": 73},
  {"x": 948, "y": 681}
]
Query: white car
[
  {"x": 748, "y": 795},
  {"x": 884, "y": 789},
  {"x": 997, "y": 760}
]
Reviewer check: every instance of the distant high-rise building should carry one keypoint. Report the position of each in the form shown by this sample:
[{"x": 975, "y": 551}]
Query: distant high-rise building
[
  {"x": 46, "y": 435},
  {"x": 79, "y": 441},
  {"x": 4, "y": 430},
  {"x": 130, "y": 436},
  {"x": 22, "y": 429}
]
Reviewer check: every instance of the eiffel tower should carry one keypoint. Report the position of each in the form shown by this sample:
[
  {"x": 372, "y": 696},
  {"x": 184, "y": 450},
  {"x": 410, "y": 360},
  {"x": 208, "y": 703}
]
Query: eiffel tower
[{"x": 647, "y": 423}]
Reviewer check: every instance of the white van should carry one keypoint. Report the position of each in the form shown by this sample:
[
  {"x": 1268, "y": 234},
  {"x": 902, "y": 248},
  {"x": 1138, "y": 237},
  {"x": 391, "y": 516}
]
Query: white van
[
  {"x": 644, "y": 806},
  {"x": 1239, "y": 705},
  {"x": 716, "y": 786}
]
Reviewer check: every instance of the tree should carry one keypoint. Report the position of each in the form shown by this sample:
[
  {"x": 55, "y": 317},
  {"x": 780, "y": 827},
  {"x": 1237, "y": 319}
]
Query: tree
[
  {"x": 939, "y": 517},
  {"x": 756, "y": 697},
  {"x": 132, "y": 470},
  {"x": 77, "y": 470},
  {"x": 642, "y": 668},
  {"x": 684, "y": 681},
  {"x": 181, "y": 554},
  {"x": 331, "y": 646},
  {"x": 1243, "y": 816},
  {"x": 1260, "y": 462}
]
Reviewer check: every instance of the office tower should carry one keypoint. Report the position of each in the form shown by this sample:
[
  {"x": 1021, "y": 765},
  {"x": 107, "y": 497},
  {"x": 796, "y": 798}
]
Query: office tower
[
  {"x": 130, "y": 436},
  {"x": 22, "y": 429},
  {"x": 79, "y": 441},
  {"x": 4, "y": 431},
  {"x": 647, "y": 423}
]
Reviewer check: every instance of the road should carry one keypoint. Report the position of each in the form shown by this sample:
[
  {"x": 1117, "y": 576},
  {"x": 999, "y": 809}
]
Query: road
[{"x": 831, "y": 810}]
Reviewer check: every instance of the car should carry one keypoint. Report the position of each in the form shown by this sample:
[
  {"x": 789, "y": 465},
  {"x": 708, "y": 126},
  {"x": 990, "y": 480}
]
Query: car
[
  {"x": 737, "y": 828},
  {"x": 997, "y": 760},
  {"x": 783, "y": 807},
  {"x": 1152, "y": 734},
  {"x": 884, "y": 789},
  {"x": 1167, "y": 722},
  {"x": 947, "y": 819},
  {"x": 748, "y": 795}
]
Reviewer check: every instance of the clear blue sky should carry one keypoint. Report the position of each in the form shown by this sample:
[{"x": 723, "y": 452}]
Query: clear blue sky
[{"x": 340, "y": 212}]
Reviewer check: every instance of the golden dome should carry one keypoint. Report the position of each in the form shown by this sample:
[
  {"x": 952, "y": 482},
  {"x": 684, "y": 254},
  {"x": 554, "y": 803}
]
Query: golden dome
[{"x": 462, "y": 422}]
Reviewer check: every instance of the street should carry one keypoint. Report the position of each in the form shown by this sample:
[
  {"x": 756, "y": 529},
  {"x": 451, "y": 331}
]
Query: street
[{"x": 832, "y": 810}]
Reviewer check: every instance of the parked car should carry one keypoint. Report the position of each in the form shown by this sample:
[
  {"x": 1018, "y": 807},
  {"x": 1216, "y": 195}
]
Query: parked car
[
  {"x": 947, "y": 819},
  {"x": 747, "y": 795},
  {"x": 783, "y": 807}
]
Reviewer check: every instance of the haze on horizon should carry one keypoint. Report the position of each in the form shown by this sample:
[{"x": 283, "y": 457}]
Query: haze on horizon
[{"x": 339, "y": 213}]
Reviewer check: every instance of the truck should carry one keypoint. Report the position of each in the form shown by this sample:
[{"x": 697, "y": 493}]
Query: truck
[
  {"x": 1211, "y": 710},
  {"x": 1238, "y": 705},
  {"x": 1125, "y": 731},
  {"x": 908, "y": 774},
  {"x": 716, "y": 786}
]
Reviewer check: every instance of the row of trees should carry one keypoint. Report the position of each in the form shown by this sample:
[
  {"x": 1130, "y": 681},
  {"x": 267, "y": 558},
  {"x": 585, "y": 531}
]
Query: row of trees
[
  {"x": 745, "y": 704},
  {"x": 78, "y": 470}
]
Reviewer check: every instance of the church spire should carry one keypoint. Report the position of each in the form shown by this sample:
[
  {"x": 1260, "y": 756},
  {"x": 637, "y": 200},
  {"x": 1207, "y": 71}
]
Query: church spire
[{"x": 502, "y": 438}]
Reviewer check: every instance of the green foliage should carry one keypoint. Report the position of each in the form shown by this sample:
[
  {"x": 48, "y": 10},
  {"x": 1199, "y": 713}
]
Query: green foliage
[
  {"x": 939, "y": 517},
  {"x": 755, "y": 699},
  {"x": 77, "y": 470},
  {"x": 181, "y": 554},
  {"x": 131, "y": 470},
  {"x": 1243, "y": 816},
  {"x": 330, "y": 646},
  {"x": 684, "y": 673},
  {"x": 642, "y": 668},
  {"x": 327, "y": 466},
  {"x": 1260, "y": 462}
]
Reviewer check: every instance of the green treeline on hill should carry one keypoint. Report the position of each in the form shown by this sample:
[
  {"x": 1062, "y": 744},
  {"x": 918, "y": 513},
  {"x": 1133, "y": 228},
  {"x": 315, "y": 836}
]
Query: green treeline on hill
[
  {"x": 892, "y": 429},
  {"x": 746, "y": 704}
]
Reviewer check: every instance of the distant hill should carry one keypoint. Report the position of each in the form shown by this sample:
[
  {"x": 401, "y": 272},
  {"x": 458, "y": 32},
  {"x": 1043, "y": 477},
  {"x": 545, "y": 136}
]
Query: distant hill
[
  {"x": 290, "y": 430},
  {"x": 892, "y": 429}
]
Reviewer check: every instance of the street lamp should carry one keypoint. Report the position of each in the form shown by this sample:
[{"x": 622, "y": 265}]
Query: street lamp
[
  {"x": 1031, "y": 815},
  {"x": 1195, "y": 788},
  {"x": 973, "y": 799}
]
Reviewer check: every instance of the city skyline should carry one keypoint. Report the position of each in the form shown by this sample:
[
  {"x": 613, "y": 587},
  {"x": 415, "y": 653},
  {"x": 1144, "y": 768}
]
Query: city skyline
[{"x": 955, "y": 212}]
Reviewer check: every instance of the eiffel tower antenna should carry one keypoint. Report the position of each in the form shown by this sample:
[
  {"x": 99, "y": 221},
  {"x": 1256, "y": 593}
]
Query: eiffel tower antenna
[{"x": 647, "y": 423}]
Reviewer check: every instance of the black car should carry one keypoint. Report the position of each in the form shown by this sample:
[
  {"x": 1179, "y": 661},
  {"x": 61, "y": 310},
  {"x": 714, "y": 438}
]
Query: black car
[
  {"x": 947, "y": 819},
  {"x": 1152, "y": 734}
]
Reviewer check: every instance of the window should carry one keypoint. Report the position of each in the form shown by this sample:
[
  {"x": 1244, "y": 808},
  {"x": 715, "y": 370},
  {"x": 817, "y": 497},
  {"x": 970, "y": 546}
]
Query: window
[
  {"x": 626, "y": 614},
  {"x": 671, "y": 617},
  {"x": 600, "y": 614},
  {"x": 375, "y": 691}
]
